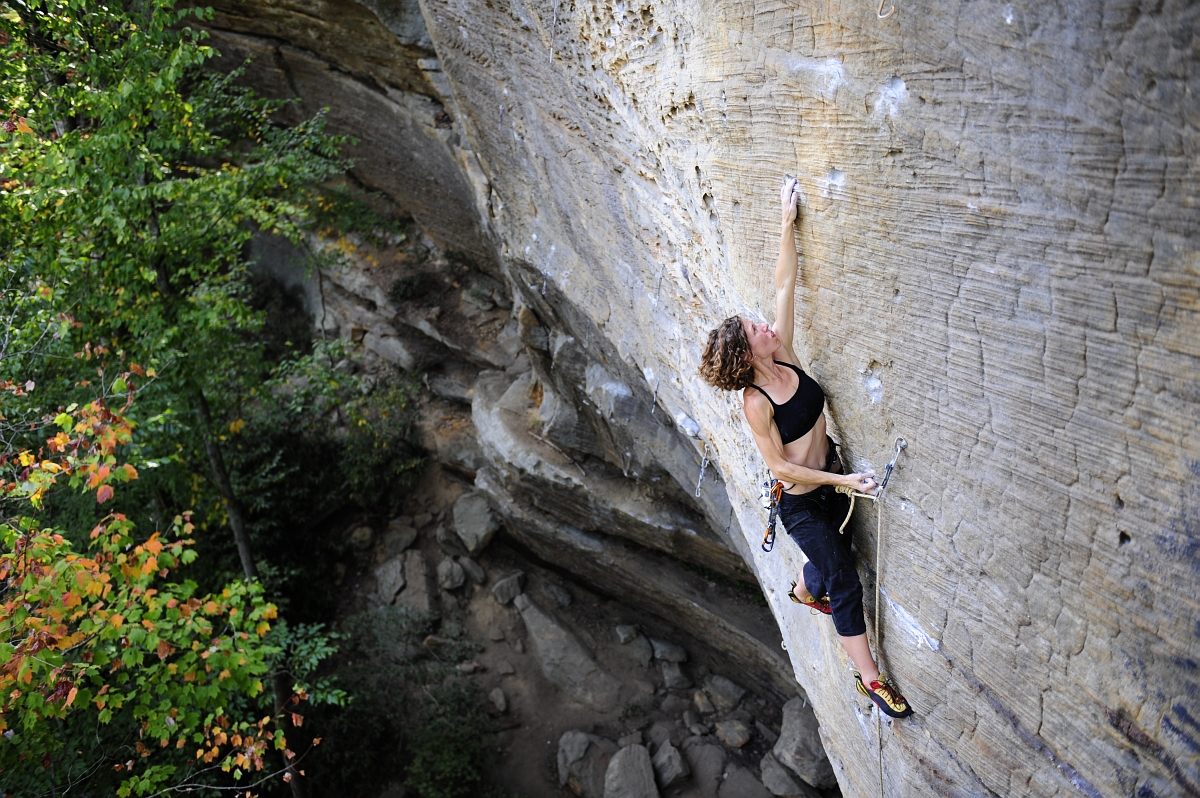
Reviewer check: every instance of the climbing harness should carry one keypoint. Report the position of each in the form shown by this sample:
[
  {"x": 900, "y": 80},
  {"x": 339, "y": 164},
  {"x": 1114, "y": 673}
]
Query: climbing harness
[{"x": 769, "y": 497}]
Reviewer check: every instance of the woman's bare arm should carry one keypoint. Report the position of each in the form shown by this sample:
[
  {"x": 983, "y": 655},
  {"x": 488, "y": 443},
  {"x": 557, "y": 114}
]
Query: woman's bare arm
[{"x": 785, "y": 271}]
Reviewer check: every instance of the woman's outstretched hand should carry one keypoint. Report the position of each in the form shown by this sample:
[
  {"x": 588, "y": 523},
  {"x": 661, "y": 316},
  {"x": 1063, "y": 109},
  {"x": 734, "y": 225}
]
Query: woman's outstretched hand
[
  {"x": 863, "y": 483},
  {"x": 789, "y": 195}
]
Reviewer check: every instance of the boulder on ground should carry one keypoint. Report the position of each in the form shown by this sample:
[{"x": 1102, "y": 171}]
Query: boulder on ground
[
  {"x": 398, "y": 538},
  {"x": 674, "y": 705},
  {"x": 420, "y": 593},
  {"x": 389, "y": 580},
  {"x": 474, "y": 522},
  {"x": 626, "y": 633},
  {"x": 509, "y": 587},
  {"x": 449, "y": 543},
  {"x": 799, "y": 745},
  {"x": 673, "y": 677},
  {"x": 703, "y": 705},
  {"x": 499, "y": 700},
  {"x": 633, "y": 738},
  {"x": 725, "y": 694},
  {"x": 660, "y": 732},
  {"x": 565, "y": 661},
  {"x": 707, "y": 763},
  {"x": 741, "y": 783},
  {"x": 670, "y": 767},
  {"x": 583, "y": 761},
  {"x": 630, "y": 774},
  {"x": 734, "y": 733},
  {"x": 637, "y": 648},
  {"x": 450, "y": 575},
  {"x": 780, "y": 781},
  {"x": 667, "y": 651},
  {"x": 473, "y": 570}
]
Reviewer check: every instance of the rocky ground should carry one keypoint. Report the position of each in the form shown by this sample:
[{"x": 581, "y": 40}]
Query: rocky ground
[{"x": 592, "y": 696}]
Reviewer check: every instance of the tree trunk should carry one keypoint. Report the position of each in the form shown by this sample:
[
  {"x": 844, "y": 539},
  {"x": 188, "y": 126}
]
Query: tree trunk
[{"x": 237, "y": 518}]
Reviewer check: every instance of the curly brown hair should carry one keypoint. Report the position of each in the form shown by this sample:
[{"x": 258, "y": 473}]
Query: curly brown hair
[{"x": 724, "y": 363}]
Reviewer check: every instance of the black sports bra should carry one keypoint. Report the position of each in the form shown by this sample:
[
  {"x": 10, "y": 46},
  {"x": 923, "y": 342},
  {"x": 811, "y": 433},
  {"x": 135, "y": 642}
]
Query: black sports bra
[{"x": 798, "y": 415}]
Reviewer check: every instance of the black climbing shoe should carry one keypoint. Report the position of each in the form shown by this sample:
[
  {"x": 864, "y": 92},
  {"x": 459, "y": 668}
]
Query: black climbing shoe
[{"x": 885, "y": 696}]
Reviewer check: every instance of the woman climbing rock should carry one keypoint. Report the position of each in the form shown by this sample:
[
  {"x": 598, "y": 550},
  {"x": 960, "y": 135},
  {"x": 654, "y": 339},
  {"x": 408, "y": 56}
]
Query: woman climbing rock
[{"x": 786, "y": 411}]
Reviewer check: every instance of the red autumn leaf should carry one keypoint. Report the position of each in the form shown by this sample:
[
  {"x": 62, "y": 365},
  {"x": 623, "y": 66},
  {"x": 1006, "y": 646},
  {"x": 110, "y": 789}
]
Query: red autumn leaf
[
  {"x": 297, "y": 720},
  {"x": 104, "y": 493}
]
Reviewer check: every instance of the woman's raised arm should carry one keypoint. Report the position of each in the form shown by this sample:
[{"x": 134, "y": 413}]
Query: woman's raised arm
[{"x": 785, "y": 270}]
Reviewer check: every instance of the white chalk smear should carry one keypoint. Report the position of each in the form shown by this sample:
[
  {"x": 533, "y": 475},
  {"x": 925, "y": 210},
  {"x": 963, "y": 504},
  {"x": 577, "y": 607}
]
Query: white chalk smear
[
  {"x": 911, "y": 624},
  {"x": 874, "y": 389},
  {"x": 829, "y": 72},
  {"x": 1008, "y": 15},
  {"x": 891, "y": 95},
  {"x": 832, "y": 184}
]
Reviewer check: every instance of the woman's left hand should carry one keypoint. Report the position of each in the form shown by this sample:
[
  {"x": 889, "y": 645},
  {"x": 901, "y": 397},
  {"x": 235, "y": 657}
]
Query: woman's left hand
[{"x": 789, "y": 195}]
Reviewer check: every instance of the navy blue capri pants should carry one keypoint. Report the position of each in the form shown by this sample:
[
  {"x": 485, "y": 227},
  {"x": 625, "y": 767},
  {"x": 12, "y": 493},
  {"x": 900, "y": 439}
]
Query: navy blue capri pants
[{"x": 812, "y": 520}]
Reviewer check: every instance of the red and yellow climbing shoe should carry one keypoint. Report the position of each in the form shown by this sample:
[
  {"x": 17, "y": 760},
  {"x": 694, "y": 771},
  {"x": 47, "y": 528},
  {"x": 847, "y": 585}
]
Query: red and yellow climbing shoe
[
  {"x": 885, "y": 696},
  {"x": 821, "y": 605}
]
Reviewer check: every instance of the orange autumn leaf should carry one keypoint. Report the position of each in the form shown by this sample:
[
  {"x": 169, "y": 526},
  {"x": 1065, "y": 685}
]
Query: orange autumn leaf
[
  {"x": 98, "y": 476},
  {"x": 104, "y": 493}
]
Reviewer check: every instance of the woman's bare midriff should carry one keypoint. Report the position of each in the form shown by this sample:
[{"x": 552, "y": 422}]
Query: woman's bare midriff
[{"x": 810, "y": 451}]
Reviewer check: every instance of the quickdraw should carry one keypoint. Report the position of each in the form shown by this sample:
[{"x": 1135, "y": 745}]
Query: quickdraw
[{"x": 772, "y": 490}]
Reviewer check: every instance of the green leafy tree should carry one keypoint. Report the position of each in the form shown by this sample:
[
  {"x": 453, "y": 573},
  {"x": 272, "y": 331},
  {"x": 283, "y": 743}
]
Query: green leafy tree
[{"x": 131, "y": 180}]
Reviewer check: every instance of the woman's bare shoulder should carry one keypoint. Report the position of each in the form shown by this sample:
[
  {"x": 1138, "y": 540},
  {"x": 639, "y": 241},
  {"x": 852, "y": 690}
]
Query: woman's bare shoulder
[{"x": 755, "y": 404}]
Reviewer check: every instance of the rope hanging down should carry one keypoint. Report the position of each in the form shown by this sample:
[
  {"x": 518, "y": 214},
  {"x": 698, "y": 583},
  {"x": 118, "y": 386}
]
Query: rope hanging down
[{"x": 901, "y": 445}]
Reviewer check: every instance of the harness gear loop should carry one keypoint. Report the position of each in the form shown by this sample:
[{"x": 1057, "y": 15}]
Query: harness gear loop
[{"x": 769, "y": 496}]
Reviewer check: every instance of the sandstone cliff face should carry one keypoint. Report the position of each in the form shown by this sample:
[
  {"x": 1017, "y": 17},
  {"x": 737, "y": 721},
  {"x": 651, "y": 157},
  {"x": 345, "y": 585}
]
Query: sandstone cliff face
[{"x": 998, "y": 262}]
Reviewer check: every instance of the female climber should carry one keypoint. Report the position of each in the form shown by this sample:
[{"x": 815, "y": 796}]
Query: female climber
[{"x": 786, "y": 411}]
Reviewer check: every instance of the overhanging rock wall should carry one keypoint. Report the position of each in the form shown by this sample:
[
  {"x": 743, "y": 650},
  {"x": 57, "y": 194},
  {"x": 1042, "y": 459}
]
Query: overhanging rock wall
[{"x": 998, "y": 262}]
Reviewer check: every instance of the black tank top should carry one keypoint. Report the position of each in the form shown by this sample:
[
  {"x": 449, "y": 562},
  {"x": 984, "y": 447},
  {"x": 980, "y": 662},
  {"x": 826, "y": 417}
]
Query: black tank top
[{"x": 797, "y": 415}]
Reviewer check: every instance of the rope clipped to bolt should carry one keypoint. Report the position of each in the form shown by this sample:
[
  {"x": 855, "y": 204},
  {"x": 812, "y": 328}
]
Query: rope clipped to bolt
[{"x": 901, "y": 445}]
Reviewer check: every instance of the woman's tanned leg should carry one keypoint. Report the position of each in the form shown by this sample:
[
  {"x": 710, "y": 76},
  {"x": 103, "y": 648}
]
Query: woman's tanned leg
[{"x": 860, "y": 652}]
